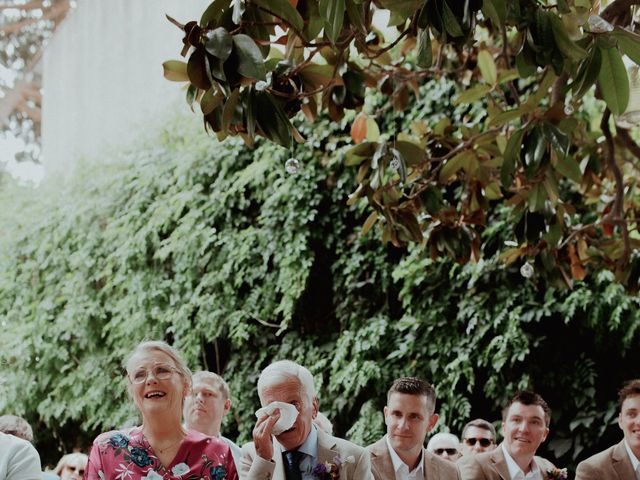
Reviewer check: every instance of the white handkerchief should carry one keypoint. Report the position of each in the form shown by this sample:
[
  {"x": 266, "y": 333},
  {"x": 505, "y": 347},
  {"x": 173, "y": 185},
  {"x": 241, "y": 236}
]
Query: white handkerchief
[{"x": 288, "y": 415}]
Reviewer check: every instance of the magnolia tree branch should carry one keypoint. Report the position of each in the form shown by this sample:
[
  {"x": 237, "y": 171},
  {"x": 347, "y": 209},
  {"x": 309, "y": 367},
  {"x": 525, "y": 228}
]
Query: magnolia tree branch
[
  {"x": 618, "y": 204},
  {"x": 628, "y": 142},
  {"x": 618, "y": 10}
]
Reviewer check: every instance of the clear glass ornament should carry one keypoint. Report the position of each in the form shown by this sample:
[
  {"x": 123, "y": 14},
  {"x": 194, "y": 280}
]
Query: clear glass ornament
[
  {"x": 395, "y": 164},
  {"x": 597, "y": 24},
  {"x": 526, "y": 270},
  {"x": 291, "y": 166},
  {"x": 568, "y": 109}
]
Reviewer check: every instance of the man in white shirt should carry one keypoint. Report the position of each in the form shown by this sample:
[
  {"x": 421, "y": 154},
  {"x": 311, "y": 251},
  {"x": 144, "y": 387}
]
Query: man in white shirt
[
  {"x": 622, "y": 461},
  {"x": 525, "y": 425},
  {"x": 206, "y": 406},
  {"x": 18, "y": 459},
  {"x": 409, "y": 416}
]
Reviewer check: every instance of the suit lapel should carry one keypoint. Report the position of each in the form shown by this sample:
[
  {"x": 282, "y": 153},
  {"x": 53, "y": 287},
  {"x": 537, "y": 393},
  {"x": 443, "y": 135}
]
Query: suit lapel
[
  {"x": 500, "y": 463},
  {"x": 431, "y": 470},
  {"x": 622, "y": 462},
  {"x": 381, "y": 459}
]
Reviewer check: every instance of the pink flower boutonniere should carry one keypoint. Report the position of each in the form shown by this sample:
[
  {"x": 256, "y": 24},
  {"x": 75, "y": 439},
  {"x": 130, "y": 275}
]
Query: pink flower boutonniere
[
  {"x": 331, "y": 471},
  {"x": 557, "y": 474}
]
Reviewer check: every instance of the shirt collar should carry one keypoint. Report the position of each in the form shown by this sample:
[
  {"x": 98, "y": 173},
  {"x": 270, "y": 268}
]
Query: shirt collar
[
  {"x": 514, "y": 468},
  {"x": 309, "y": 446},
  {"x": 634, "y": 460},
  {"x": 398, "y": 463}
]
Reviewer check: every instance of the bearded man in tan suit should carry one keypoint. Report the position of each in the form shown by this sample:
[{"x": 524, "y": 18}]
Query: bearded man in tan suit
[
  {"x": 622, "y": 461},
  {"x": 409, "y": 416},
  {"x": 525, "y": 425}
]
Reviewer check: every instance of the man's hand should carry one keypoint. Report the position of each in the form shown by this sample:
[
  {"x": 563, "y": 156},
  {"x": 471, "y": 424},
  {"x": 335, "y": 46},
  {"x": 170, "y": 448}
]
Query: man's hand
[{"x": 262, "y": 434}]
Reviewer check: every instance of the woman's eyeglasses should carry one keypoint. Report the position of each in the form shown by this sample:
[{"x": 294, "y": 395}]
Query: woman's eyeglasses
[
  {"x": 450, "y": 451},
  {"x": 160, "y": 372},
  {"x": 484, "y": 442}
]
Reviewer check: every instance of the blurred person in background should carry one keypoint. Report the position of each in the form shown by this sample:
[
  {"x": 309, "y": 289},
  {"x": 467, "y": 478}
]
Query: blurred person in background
[
  {"x": 71, "y": 466},
  {"x": 158, "y": 381},
  {"x": 16, "y": 426},
  {"x": 445, "y": 445}
]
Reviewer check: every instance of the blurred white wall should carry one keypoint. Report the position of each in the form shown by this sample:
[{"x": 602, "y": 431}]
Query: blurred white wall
[{"x": 102, "y": 76}]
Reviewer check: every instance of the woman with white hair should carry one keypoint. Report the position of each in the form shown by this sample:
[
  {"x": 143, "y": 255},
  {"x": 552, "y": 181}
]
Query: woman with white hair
[
  {"x": 158, "y": 381},
  {"x": 71, "y": 466}
]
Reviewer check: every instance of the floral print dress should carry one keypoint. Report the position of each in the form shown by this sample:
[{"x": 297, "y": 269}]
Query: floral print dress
[{"x": 127, "y": 455}]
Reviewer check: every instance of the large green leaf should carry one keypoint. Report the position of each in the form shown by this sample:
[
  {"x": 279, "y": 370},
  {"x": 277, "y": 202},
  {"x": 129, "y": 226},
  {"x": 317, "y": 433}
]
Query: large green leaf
[
  {"x": 487, "y": 67},
  {"x": 219, "y": 43},
  {"x": 197, "y": 71},
  {"x": 333, "y": 11},
  {"x": 511, "y": 155},
  {"x": 175, "y": 70},
  {"x": 587, "y": 73},
  {"x": 213, "y": 13},
  {"x": 629, "y": 43},
  {"x": 272, "y": 120},
  {"x": 425, "y": 56},
  {"x": 251, "y": 62},
  {"x": 567, "y": 46},
  {"x": 613, "y": 81},
  {"x": 284, "y": 10}
]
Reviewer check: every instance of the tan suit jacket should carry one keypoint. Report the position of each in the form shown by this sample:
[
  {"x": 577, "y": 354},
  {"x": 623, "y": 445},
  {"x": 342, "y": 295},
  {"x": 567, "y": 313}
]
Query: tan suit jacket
[
  {"x": 435, "y": 468},
  {"x": 612, "y": 464},
  {"x": 493, "y": 466},
  {"x": 253, "y": 467}
]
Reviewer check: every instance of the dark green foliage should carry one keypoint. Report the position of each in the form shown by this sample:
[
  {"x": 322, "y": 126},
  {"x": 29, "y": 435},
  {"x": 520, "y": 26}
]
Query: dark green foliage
[{"x": 217, "y": 249}]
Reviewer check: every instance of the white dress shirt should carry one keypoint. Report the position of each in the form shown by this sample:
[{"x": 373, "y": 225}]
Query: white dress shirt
[
  {"x": 310, "y": 458},
  {"x": 516, "y": 473},
  {"x": 401, "y": 469},
  {"x": 635, "y": 463}
]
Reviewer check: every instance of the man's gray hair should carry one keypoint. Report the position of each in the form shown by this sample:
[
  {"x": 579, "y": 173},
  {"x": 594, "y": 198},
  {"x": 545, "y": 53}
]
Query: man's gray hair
[
  {"x": 16, "y": 426},
  {"x": 283, "y": 371}
]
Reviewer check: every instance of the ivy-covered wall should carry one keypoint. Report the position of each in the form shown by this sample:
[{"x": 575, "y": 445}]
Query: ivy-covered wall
[{"x": 239, "y": 263}]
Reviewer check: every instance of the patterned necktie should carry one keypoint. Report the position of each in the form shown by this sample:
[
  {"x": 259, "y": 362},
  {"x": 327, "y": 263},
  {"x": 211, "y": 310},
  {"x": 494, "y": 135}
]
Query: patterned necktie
[{"x": 292, "y": 465}]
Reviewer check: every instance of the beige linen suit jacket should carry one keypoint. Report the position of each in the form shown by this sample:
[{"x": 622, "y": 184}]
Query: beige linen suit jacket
[
  {"x": 493, "y": 466},
  {"x": 255, "y": 468},
  {"x": 435, "y": 468},
  {"x": 612, "y": 464}
]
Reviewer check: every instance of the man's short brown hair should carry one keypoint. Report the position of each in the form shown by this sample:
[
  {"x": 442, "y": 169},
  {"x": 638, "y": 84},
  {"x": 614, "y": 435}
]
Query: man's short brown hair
[
  {"x": 528, "y": 398},
  {"x": 414, "y": 386},
  {"x": 631, "y": 389}
]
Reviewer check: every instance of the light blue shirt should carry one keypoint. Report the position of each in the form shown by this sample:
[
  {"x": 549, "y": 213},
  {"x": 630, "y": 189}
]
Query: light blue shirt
[{"x": 310, "y": 450}]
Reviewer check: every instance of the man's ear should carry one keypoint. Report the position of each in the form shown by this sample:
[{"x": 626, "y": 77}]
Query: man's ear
[
  {"x": 433, "y": 419},
  {"x": 227, "y": 406},
  {"x": 314, "y": 406},
  {"x": 502, "y": 429}
]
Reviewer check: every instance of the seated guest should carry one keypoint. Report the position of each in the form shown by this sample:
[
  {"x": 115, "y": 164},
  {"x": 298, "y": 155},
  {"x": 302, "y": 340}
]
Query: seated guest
[
  {"x": 409, "y": 416},
  {"x": 445, "y": 445},
  {"x": 71, "y": 466},
  {"x": 525, "y": 425},
  {"x": 301, "y": 450},
  {"x": 621, "y": 461},
  {"x": 16, "y": 426},
  {"x": 478, "y": 436},
  {"x": 158, "y": 381},
  {"x": 206, "y": 405},
  {"x": 18, "y": 459}
]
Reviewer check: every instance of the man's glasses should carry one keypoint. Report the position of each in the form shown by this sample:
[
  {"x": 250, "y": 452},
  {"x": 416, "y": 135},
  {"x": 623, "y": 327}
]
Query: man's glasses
[
  {"x": 160, "y": 372},
  {"x": 73, "y": 468},
  {"x": 450, "y": 451},
  {"x": 484, "y": 442}
]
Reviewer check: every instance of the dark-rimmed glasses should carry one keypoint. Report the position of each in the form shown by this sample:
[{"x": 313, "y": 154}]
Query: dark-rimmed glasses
[
  {"x": 484, "y": 442},
  {"x": 450, "y": 451}
]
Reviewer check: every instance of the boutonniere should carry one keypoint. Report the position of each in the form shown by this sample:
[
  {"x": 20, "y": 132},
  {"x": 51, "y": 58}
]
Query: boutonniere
[
  {"x": 329, "y": 470},
  {"x": 557, "y": 474}
]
